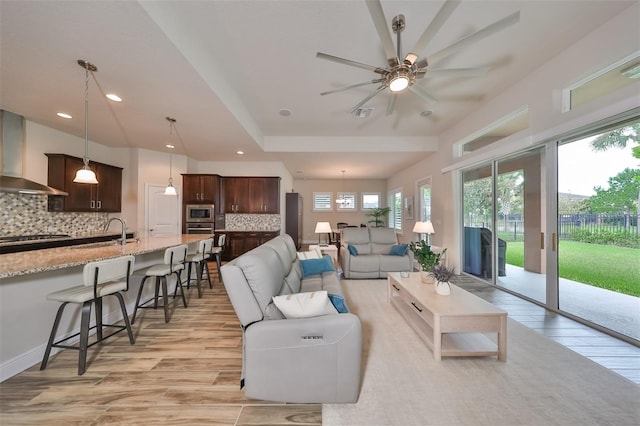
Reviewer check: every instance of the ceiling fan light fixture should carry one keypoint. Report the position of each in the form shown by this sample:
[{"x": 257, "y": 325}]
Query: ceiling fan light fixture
[{"x": 398, "y": 83}]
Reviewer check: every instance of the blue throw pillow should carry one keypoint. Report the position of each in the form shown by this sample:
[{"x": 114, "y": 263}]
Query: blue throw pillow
[
  {"x": 316, "y": 266},
  {"x": 353, "y": 251},
  {"x": 338, "y": 303},
  {"x": 399, "y": 249}
]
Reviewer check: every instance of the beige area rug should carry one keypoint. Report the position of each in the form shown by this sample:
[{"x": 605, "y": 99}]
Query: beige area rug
[{"x": 542, "y": 382}]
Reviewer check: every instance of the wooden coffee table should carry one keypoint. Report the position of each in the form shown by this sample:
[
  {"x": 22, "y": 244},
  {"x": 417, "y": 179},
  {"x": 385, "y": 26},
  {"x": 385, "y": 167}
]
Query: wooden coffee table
[{"x": 460, "y": 324}]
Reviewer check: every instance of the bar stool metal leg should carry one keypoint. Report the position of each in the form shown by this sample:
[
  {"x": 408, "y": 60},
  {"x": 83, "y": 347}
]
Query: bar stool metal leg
[
  {"x": 52, "y": 337},
  {"x": 84, "y": 337}
]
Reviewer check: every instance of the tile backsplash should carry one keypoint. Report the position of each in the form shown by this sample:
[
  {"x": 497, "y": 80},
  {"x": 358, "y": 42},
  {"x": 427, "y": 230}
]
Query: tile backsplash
[
  {"x": 252, "y": 222},
  {"x": 27, "y": 215}
]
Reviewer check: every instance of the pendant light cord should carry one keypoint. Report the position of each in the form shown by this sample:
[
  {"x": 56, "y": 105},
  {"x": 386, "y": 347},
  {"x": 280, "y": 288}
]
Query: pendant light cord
[{"x": 86, "y": 116}]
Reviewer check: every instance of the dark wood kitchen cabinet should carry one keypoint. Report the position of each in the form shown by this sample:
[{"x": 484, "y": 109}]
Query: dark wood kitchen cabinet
[
  {"x": 236, "y": 194},
  {"x": 200, "y": 189},
  {"x": 238, "y": 243},
  {"x": 251, "y": 195},
  {"x": 264, "y": 195},
  {"x": 106, "y": 196}
]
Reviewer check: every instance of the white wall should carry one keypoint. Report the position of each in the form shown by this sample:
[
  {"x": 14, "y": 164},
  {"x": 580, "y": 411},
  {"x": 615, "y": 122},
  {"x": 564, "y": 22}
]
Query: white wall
[{"x": 306, "y": 188}]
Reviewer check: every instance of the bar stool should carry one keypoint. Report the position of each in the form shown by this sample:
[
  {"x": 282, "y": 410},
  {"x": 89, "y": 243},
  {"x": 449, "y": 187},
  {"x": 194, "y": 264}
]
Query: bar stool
[
  {"x": 102, "y": 278},
  {"x": 200, "y": 259},
  {"x": 216, "y": 252},
  {"x": 174, "y": 258}
]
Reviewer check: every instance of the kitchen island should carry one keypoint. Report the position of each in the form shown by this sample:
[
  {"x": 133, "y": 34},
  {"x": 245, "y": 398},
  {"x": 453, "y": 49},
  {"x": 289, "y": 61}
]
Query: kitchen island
[{"x": 26, "y": 316}]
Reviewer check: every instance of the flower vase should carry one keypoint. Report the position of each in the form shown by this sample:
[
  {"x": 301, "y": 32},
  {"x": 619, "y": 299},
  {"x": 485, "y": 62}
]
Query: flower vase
[
  {"x": 443, "y": 288},
  {"x": 426, "y": 277}
]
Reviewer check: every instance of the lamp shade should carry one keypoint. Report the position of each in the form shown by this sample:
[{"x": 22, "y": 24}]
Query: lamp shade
[
  {"x": 323, "y": 228},
  {"x": 170, "y": 190},
  {"x": 85, "y": 175},
  {"x": 424, "y": 228}
]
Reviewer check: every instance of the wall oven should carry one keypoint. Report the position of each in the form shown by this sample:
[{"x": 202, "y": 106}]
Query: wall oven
[
  {"x": 199, "y": 213},
  {"x": 199, "y": 228}
]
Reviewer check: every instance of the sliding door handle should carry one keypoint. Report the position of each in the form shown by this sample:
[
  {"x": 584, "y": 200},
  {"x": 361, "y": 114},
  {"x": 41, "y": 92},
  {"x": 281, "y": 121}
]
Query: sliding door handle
[
  {"x": 542, "y": 241},
  {"x": 553, "y": 242}
]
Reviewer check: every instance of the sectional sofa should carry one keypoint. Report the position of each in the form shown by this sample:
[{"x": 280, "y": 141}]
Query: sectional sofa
[
  {"x": 372, "y": 253},
  {"x": 297, "y": 360}
]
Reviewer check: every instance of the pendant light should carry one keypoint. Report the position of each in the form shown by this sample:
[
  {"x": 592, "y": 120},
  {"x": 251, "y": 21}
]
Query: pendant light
[
  {"x": 85, "y": 174},
  {"x": 341, "y": 200},
  {"x": 170, "y": 189}
]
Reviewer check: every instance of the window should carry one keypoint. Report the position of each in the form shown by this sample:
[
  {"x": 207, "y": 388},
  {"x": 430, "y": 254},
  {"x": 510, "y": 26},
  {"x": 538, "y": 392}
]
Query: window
[
  {"x": 424, "y": 200},
  {"x": 349, "y": 201},
  {"x": 322, "y": 201},
  {"x": 395, "y": 214},
  {"x": 370, "y": 200}
]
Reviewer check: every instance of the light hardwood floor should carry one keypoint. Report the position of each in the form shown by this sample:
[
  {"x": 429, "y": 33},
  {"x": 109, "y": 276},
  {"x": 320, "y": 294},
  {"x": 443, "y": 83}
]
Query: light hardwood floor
[{"x": 184, "y": 372}]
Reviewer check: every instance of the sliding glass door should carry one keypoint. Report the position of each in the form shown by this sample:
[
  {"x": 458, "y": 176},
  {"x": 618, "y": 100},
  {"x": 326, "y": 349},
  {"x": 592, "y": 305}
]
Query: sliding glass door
[
  {"x": 598, "y": 243},
  {"x": 504, "y": 223},
  {"x": 559, "y": 225}
]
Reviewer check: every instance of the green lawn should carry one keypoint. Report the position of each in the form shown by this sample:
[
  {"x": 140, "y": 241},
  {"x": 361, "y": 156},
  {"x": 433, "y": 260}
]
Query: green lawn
[{"x": 610, "y": 267}]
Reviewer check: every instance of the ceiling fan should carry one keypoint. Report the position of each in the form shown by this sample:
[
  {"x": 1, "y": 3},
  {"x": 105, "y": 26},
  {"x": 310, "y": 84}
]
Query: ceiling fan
[{"x": 401, "y": 73}]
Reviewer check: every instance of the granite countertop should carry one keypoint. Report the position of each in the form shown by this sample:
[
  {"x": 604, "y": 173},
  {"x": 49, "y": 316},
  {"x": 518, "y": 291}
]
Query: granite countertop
[
  {"x": 246, "y": 230},
  {"x": 29, "y": 262},
  {"x": 59, "y": 241}
]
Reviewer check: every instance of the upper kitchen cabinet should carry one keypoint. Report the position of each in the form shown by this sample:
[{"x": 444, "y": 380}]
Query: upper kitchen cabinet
[
  {"x": 264, "y": 195},
  {"x": 200, "y": 189},
  {"x": 106, "y": 196},
  {"x": 251, "y": 194},
  {"x": 236, "y": 194}
]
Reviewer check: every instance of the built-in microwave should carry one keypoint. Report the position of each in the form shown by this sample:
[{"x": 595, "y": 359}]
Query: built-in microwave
[{"x": 200, "y": 213}]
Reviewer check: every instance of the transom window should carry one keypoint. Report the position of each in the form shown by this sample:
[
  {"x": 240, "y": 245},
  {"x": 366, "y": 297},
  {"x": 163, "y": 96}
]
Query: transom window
[
  {"x": 322, "y": 201},
  {"x": 370, "y": 200},
  {"x": 347, "y": 201}
]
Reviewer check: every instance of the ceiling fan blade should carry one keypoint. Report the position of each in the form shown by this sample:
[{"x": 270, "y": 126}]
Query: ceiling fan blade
[
  {"x": 438, "y": 21},
  {"x": 391, "y": 103},
  {"x": 380, "y": 80},
  {"x": 380, "y": 22},
  {"x": 423, "y": 94},
  {"x": 365, "y": 100},
  {"x": 454, "y": 72},
  {"x": 477, "y": 36},
  {"x": 350, "y": 62}
]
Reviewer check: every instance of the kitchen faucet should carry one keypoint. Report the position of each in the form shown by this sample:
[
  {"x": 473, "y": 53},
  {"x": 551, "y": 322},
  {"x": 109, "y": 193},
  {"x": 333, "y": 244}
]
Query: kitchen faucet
[{"x": 124, "y": 227}]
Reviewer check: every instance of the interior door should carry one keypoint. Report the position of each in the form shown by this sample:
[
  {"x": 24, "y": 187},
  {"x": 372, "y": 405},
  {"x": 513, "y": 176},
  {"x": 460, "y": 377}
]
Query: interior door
[{"x": 163, "y": 212}]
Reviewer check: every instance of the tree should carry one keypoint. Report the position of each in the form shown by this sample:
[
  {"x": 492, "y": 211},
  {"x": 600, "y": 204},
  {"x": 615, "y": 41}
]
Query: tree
[
  {"x": 622, "y": 194},
  {"x": 620, "y": 138}
]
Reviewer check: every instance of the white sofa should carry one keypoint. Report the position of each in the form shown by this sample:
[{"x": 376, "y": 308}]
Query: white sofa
[
  {"x": 298, "y": 360},
  {"x": 373, "y": 258}
]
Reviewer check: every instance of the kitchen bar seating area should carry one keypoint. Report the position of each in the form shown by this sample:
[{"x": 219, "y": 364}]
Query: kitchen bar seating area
[{"x": 28, "y": 281}]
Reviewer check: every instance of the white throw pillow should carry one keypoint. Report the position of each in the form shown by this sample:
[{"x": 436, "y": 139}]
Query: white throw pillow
[{"x": 305, "y": 305}]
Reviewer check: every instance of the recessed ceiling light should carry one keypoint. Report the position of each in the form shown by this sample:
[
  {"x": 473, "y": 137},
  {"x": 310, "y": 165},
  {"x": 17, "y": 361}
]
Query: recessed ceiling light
[
  {"x": 239, "y": 152},
  {"x": 285, "y": 112},
  {"x": 170, "y": 146},
  {"x": 63, "y": 115},
  {"x": 114, "y": 97}
]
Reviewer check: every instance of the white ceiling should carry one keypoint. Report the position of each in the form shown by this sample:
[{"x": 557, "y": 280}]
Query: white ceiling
[{"x": 224, "y": 70}]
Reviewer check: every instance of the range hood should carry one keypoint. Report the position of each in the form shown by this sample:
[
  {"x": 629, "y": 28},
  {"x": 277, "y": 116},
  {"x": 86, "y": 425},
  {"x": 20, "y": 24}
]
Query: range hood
[{"x": 11, "y": 153}]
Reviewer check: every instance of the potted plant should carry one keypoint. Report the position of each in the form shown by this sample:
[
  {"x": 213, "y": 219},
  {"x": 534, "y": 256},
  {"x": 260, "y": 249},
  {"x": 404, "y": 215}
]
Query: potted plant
[
  {"x": 442, "y": 275},
  {"x": 378, "y": 215},
  {"x": 426, "y": 258}
]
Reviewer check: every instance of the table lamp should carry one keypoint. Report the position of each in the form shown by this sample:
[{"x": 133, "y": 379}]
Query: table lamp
[
  {"x": 424, "y": 228},
  {"x": 322, "y": 228}
]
